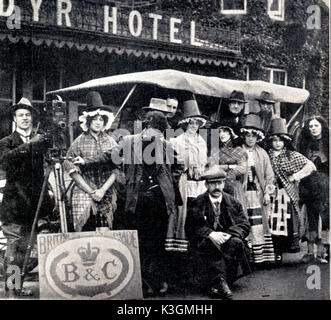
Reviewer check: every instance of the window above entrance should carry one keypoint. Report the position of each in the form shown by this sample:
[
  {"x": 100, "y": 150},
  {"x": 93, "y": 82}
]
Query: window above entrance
[
  {"x": 234, "y": 6},
  {"x": 276, "y": 76}
]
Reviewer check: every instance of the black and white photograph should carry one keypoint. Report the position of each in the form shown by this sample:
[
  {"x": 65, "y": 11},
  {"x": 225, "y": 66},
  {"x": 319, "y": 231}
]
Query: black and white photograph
[{"x": 164, "y": 150}]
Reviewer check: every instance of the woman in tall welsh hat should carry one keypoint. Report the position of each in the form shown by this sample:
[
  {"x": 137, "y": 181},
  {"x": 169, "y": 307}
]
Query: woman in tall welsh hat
[
  {"x": 258, "y": 186},
  {"x": 289, "y": 167},
  {"x": 230, "y": 157},
  {"x": 94, "y": 197},
  {"x": 191, "y": 149}
]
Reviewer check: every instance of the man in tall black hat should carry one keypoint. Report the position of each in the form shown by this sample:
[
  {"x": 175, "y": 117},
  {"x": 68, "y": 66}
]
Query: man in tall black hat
[
  {"x": 21, "y": 154},
  {"x": 217, "y": 228}
]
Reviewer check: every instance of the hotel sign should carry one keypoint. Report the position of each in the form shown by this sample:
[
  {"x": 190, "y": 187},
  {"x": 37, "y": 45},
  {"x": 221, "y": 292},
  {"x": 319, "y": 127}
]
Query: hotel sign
[{"x": 100, "y": 16}]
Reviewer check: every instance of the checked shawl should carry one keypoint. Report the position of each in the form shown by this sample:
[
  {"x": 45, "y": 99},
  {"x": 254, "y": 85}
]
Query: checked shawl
[
  {"x": 95, "y": 176},
  {"x": 284, "y": 166}
]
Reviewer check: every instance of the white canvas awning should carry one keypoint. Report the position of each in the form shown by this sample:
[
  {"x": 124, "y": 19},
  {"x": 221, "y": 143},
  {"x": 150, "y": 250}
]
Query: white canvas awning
[{"x": 200, "y": 85}]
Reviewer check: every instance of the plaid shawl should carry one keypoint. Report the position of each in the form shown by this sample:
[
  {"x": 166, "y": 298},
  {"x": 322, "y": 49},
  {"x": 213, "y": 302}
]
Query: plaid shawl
[
  {"x": 284, "y": 165},
  {"x": 82, "y": 203}
]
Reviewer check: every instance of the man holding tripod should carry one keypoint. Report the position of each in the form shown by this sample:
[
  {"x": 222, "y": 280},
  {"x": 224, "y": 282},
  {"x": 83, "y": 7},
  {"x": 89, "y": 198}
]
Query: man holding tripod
[{"x": 21, "y": 154}]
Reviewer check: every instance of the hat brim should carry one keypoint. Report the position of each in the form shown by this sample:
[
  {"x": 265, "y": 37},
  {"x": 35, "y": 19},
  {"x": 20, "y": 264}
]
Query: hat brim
[
  {"x": 199, "y": 117},
  {"x": 267, "y": 101},
  {"x": 237, "y": 100},
  {"x": 91, "y": 109},
  {"x": 214, "y": 179},
  {"x": 285, "y": 135},
  {"x": 23, "y": 106},
  {"x": 217, "y": 127},
  {"x": 92, "y": 113},
  {"x": 258, "y": 132},
  {"x": 252, "y": 127}
]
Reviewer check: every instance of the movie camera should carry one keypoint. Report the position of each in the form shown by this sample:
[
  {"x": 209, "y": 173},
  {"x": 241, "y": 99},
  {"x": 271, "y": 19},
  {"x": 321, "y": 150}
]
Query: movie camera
[{"x": 54, "y": 124}]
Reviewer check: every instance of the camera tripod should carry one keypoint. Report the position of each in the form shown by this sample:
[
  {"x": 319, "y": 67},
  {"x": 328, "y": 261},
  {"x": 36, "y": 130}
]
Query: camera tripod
[{"x": 54, "y": 164}]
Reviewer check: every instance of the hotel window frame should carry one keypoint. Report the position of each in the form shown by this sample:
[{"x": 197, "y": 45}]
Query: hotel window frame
[
  {"x": 233, "y": 11},
  {"x": 272, "y": 71},
  {"x": 277, "y": 15}
]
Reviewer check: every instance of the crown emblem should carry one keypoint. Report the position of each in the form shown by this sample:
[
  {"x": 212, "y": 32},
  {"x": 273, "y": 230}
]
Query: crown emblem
[{"x": 88, "y": 254}]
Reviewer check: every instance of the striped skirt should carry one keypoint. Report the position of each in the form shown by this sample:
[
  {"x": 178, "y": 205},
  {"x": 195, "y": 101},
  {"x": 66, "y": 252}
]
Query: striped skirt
[{"x": 260, "y": 238}]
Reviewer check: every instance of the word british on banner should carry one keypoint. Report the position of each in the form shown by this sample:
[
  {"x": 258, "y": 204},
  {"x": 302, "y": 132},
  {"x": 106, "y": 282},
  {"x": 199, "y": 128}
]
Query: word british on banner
[{"x": 101, "y": 265}]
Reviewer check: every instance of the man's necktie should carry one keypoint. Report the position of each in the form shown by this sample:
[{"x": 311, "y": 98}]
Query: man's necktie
[
  {"x": 26, "y": 139},
  {"x": 217, "y": 214}
]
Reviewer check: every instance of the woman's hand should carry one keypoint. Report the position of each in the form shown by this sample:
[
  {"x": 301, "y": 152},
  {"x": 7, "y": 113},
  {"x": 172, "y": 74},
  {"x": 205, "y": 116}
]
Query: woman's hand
[
  {"x": 291, "y": 178},
  {"x": 98, "y": 194},
  {"x": 266, "y": 199},
  {"x": 78, "y": 160}
]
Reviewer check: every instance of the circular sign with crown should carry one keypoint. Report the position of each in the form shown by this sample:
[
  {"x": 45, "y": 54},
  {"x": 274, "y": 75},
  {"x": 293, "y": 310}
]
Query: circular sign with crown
[{"x": 89, "y": 268}]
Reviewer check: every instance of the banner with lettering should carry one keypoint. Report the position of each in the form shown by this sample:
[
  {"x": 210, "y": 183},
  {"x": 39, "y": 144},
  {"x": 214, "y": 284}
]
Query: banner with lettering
[{"x": 101, "y": 265}]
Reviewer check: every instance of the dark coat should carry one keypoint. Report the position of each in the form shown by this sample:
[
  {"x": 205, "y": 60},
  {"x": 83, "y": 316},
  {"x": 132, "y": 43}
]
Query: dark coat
[
  {"x": 200, "y": 223},
  {"x": 201, "y": 218},
  {"x": 23, "y": 164},
  {"x": 166, "y": 174}
]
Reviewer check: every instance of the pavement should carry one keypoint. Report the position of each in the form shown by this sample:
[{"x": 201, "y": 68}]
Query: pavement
[{"x": 292, "y": 280}]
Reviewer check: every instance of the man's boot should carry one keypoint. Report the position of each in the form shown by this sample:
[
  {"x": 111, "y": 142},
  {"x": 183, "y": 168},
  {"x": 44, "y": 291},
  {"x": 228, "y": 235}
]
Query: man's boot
[{"x": 9, "y": 291}]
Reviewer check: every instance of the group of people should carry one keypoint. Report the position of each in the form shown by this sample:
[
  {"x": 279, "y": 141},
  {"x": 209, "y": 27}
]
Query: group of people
[{"x": 235, "y": 205}]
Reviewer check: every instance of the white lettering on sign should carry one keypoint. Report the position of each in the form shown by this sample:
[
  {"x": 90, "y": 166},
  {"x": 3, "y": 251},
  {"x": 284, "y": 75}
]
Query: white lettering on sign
[
  {"x": 89, "y": 268},
  {"x": 174, "y": 30},
  {"x": 36, "y": 6},
  {"x": 156, "y": 18},
  {"x": 63, "y": 11},
  {"x": 112, "y": 19},
  {"x": 113, "y": 22},
  {"x": 10, "y": 8},
  {"x": 135, "y": 15},
  {"x": 192, "y": 37}
]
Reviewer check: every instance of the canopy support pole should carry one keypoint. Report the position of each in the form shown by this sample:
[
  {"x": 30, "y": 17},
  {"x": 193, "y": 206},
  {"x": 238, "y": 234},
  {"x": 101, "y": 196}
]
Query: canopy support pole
[
  {"x": 218, "y": 110},
  {"x": 126, "y": 100},
  {"x": 294, "y": 116}
]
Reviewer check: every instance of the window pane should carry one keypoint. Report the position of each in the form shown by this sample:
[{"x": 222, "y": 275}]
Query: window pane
[
  {"x": 275, "y": 5},
  {"x": 234, "y": 4},
  {"x": 279, "y": 77},
  {"x": 267, "y": 75}
]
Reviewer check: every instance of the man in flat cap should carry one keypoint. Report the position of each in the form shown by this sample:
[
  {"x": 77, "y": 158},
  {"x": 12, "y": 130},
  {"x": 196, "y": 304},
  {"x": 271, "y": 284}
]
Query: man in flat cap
[
  {"x": 217, "y": 228},
  {"x": 21, "y": 154}
]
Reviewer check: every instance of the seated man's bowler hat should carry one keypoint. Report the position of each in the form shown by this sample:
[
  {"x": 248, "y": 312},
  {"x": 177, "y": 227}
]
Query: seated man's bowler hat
[
  {"x": 266, "y": 97},
  {"x": 24, "y": 103},
  {"x": 214, "y": 174}
]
